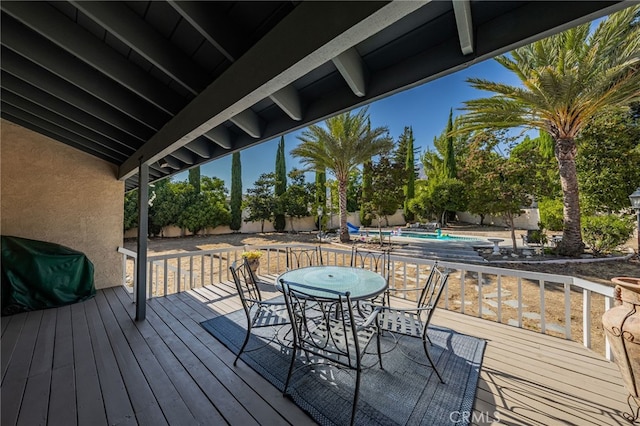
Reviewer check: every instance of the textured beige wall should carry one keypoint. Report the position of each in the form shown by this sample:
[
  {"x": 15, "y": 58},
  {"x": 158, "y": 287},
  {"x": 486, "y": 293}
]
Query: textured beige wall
[{"x": 55, "y": 193}]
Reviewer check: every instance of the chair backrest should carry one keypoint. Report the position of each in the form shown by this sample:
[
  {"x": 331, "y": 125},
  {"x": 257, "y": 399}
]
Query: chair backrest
[
  {"x": 324, "y": 327},
  {"x": 300, "y": 257},
  {"x": 246, "y": 284},
  {"x": 431, "y": 292},
  {"x": 376, "y": 261}
]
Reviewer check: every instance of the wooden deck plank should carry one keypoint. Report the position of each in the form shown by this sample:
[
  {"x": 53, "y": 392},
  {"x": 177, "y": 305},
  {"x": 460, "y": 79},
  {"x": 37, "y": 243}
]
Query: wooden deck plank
[
  {"x": 142, "y": 399},
  {"x": 117, "y": 404},
  {"x": 63, "y": 372},
  {"x": 195, "y": 402},
  {"x": 36, "y": 394},
  {"x": 10, "y": 338},
  {"x": 18, "y": 369},
  {"x": 157, "y": 400},
  {"x": 262, "y": 399},
  {"x": 88, "y": 392}
]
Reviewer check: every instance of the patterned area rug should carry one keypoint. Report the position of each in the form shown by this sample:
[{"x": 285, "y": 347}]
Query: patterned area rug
[{"x": 403, "y": 393}]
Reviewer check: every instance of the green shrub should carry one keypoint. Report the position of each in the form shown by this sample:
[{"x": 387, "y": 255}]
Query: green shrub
[
  {"x": 551, "y": 215},
  {"x": 604, "y": 233}
]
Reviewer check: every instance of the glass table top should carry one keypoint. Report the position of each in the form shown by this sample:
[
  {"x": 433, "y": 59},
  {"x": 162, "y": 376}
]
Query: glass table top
[{"x": 330, "y": 281}]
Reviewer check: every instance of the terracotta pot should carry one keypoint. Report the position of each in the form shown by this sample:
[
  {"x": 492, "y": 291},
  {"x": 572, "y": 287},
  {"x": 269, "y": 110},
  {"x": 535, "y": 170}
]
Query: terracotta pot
[{"x": 622, "y": 327}]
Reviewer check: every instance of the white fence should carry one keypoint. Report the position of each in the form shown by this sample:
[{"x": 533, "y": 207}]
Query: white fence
[{"x": 557, "y": 305}]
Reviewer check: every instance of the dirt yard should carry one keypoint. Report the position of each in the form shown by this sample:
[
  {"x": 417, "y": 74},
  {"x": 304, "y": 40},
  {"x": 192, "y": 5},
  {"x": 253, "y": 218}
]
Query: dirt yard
[{"x": 600, "y": 272}]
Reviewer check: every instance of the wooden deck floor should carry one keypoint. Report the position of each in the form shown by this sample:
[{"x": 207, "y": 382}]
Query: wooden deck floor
[{"x": 90, "y": 364}]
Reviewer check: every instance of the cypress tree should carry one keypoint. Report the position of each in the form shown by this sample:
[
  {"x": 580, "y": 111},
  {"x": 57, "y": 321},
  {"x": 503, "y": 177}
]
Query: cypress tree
[
  {"x": 279, "y": 222},
  {"x": 409, "y": 168},
  {"x": 365, "y": 213},
  {"x": 194, "y": 178},
  {"x": 321, "y": 193},
  {"x": 449, "y": 153},
  {"x": 236, "y": 192}
]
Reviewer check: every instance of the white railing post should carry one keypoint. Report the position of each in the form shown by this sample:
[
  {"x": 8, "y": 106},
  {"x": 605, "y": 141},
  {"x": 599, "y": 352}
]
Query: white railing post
[
  {"x": 567, "y": 311},
  {"x": 586, "y": 318},
  {"x": 608, "y": 353}
]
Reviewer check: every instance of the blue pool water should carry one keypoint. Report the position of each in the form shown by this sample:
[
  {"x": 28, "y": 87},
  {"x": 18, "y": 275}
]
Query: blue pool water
[{"x": 427, "y": 236}]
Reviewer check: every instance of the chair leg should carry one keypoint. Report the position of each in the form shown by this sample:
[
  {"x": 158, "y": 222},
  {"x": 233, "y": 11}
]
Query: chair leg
[
  {"x": 426, "y": 351},
  {"x": 293, "y": 359},
  {"x": 379, "y": 347},
  {"x": 244, "y": 344},
  {"x": 356, "y": 395}
]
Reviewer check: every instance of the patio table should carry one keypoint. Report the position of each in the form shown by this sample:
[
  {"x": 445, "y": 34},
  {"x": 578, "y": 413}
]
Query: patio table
[{"x": 329, "y": 282}]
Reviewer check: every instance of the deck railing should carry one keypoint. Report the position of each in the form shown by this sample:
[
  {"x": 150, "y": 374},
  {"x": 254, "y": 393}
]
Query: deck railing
[{"x": 558, "y": 305}]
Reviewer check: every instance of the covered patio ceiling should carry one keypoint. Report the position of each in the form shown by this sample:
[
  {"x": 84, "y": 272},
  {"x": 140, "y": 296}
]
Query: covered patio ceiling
[{"x": 174, "y": 84}]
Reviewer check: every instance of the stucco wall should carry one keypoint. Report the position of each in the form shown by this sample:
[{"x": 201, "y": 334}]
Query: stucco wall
[{"x": 55, "y": 193}]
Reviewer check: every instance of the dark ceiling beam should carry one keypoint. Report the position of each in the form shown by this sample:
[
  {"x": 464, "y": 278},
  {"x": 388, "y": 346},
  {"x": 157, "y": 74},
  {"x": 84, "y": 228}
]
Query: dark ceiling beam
[
  {"x": 57, "y": 132},
  {"x": 200, "y": 146},
  {"x": 213, "y": 27},
  {"x": 464, "y": 24},
  {"x": 29, "y": 72},
  {"x": 185, "y": 156},
  {"x": 129, "y": 28},
  {"x": 33, "y": 47},
  {"x": 288, "y": 99},
  {"x": 57, "y": 28},
  {"x": 336, "y": 26},
  {"x": 221, "y": 136},
  {"x": 170, "y": 162},
  {"x": 249, "y": 122},
  {"x": 54, "y": 118},
  {"x": 353, "y": 70},
  {"x": 68, "y": 111}
]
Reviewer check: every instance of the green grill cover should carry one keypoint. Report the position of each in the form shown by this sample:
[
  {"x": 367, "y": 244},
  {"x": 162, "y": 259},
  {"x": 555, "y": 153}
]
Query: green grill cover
[{"x": 38, "y": 275}]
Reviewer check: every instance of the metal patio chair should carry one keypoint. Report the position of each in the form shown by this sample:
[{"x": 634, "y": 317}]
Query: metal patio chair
[
  {"x": 300, "y": 257},
  {"x": 414, "y": 322},
  {"x": 376, "y": 261},
  {"x": 259, "y": 313},
  {"x": 326, "y": 328}
]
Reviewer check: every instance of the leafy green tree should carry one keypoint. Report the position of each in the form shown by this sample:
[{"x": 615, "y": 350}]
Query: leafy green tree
[
  {"x": 366, "y": 194},
  {"x": 345, "y": 142},
  {"x": 387, "y": 196},
  {"x": 204, "y": 209},
  {"x": 538, "y": 155},
  {"x": 166, "y": 206},
  {"x": 354, "y": 190},
  {"x": 261, "y": 200},
  {"x": 608, "y": 162},
  {"x": 279, "y": 222},
  {"x": 298, "y": 197},
  {"x": 496, "y": 185},
  {"x": 440, "y": 197},
  {"x": 130, "y": 210},
  {"x": 320, "y": 194},
  {"x": 567, "y": 79},
  {"x": 236, "y": 192}
]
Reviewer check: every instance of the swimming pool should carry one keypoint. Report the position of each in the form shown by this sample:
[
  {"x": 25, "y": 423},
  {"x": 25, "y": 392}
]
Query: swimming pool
[{"x": 427, "y": 236}]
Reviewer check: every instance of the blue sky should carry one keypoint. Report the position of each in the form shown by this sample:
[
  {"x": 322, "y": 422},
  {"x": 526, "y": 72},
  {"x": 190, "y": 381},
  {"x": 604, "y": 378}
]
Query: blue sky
[{"x": 425, "y": 108}]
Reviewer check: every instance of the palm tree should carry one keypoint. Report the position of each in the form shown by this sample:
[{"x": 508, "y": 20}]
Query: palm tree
[
  {"x": 346, "y": 142},
  {"x": 566, "y": 78}
]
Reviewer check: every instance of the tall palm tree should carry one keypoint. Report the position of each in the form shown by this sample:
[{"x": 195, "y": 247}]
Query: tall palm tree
[
  {"x": 566, "y": 78},
  {"x": 345, "y": 142}
]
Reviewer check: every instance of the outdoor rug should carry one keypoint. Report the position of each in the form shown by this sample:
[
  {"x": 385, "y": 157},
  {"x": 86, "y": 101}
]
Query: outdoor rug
[{"x": 403, "y": 393}]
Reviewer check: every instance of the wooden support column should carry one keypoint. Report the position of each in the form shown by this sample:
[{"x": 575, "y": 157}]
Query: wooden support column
[{"x": 143, "y": 226}]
